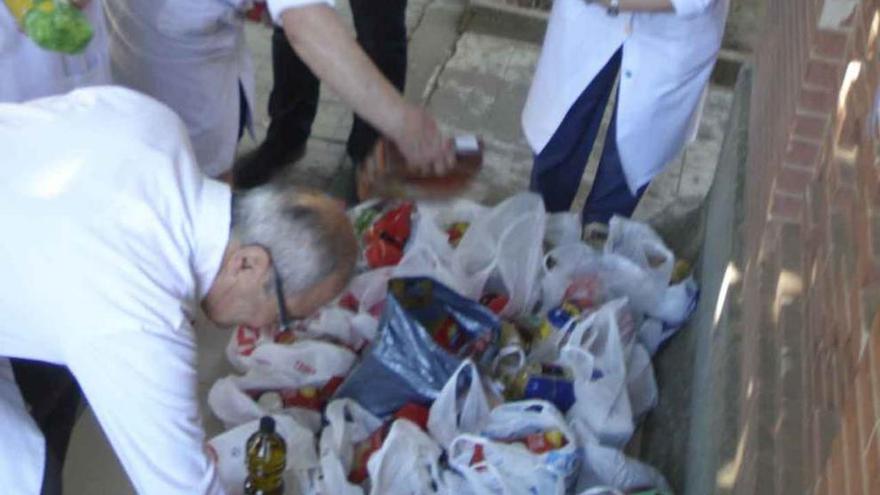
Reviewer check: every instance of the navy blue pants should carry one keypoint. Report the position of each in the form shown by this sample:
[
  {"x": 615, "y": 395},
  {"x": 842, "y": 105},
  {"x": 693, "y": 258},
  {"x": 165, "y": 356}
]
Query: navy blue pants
[{"x": 559, "y": 167}]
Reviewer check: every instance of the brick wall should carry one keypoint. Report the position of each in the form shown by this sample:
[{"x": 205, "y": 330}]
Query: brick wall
[{"x": 811, "y": 284}]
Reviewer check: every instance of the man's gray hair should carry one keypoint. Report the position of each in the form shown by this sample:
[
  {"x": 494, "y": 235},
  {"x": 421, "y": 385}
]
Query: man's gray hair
[{"x": 308, "y": 239}]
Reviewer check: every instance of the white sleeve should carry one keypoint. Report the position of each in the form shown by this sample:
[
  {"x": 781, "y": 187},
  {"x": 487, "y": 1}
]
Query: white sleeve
[
  {"x": 686, "y": 8},
  {"x": 276, "y": 7},
  {"x": 142, "y": 387}
]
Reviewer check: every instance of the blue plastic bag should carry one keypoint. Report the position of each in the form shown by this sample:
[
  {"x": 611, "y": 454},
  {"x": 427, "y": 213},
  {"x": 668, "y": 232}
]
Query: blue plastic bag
[{"x": 405, "y": 363}]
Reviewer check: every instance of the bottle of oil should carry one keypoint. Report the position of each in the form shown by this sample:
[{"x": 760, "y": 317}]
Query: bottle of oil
[
  {"x": 53, "y": 25},
  {"x": 266, "y": 457}
]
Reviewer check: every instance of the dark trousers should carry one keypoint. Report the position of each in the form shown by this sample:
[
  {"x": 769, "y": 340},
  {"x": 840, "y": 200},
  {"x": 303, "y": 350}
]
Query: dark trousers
[
  {"x": 559, "y": 167},
  {"x": 293, "y": 103},
  {"x": 55, "y": 401}
]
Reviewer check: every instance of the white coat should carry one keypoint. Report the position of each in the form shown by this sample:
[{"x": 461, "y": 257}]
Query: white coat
[
  {"x": 190, "y": 55},
  {"x": 667, "y": 61},
  {"x": 29, "y": 71}
]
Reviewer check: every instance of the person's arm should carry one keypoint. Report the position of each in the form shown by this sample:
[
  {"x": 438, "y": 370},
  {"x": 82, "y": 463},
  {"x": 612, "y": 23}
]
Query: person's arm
[
  {"x": 142, "y": 387},
  {"x": 319, "y": 37}
]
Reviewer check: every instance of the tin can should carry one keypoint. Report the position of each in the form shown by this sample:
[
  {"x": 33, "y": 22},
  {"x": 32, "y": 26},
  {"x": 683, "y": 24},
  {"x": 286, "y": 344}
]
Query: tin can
[{"x": 549, "y": 382}]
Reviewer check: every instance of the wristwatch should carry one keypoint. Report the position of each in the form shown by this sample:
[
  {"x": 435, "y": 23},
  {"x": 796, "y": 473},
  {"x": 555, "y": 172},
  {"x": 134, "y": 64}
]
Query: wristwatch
[{"x": 613, "y": 8}]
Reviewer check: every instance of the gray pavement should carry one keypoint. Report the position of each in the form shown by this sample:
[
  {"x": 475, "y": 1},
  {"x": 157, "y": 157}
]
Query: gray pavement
[{"x": 473, "y": 83}]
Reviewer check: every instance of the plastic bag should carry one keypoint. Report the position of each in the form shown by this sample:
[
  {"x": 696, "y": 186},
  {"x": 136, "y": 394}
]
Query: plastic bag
[
  {"x": 342, "y": 326},
  {"x": 244, "y": 341},
  {"x": 407, "y": 463},
  {"x": 639, "y": 243},
  {"x": 521, "y": 419},
  {"x": 497, "y": 468},
  {"x": 596, "y": 355},
  {"x": 607, "y": 276},
  {"x": 366, "y": 292},
  {"x": 609, "y": 467},
  {"x": 562, "y": 228},
  {"x": 301, "y": 457},
  {"x": 461, "y": 407},
  {"x": 347, "y": 424},
  {"x": 641, "y": 385},
  {"x": 405, "y": 364},
  {"x": 285, "y": 369},
  {"x": 501, "y": 253},
  {"x": 677, "y": 304}
]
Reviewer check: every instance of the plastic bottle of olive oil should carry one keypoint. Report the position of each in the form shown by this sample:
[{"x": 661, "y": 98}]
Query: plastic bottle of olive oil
[
  {"x": 54, "y": 25},
  {"x": 266, "y": 457}
]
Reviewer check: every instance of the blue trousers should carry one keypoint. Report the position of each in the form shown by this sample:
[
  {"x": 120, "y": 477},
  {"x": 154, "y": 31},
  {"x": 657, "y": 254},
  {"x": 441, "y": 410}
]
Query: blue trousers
[{"x": 559, "y": 167}]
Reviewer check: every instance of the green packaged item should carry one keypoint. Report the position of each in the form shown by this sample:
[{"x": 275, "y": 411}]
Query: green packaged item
[{"x": 53, "y": 25}]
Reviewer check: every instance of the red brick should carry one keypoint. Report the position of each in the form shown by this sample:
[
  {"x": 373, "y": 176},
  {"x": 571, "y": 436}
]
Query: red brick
[
  {"x": 811, "y": 127},
  {"x": 803, "y": 154},
  {"x": 824, "y": 74},
  {"x": 786, "y": 207},
  {"x": 793, "y": 179},
  {"x": 817, "y": 101},
  {"x": 831, "y": 44}
]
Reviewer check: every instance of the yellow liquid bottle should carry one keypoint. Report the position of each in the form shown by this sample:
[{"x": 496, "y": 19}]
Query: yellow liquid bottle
[
  {"x": 53, "y": 25},
  {"x": 266, "y": 457}
]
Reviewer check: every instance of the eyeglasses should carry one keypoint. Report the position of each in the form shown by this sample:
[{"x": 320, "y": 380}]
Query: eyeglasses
[{"x": 284, "y": 321}]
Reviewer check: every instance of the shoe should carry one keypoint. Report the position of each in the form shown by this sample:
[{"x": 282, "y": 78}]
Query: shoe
[{"x": 259, "y": 166}]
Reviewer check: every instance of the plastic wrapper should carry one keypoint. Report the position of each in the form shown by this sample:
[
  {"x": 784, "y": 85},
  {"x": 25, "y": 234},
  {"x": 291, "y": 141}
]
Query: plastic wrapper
[{"x": 407, "y": 363}]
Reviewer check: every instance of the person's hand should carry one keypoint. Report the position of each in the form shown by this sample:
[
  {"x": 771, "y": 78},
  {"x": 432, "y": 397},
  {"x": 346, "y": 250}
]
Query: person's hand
[{"x": 421, "y": 143}]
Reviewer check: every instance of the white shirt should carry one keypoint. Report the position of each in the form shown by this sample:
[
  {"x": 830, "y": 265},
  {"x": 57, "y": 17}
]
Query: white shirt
[
  {"x": 111, "y": 237},
  {"x": 29, "y": 71},
  {"x": 666, "y": 64},
  {"x": 191, "y": 55}
]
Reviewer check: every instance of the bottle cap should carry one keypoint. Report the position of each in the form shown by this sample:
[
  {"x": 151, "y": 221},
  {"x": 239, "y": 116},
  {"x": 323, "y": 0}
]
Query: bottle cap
[{"x": 267, "y": 424}]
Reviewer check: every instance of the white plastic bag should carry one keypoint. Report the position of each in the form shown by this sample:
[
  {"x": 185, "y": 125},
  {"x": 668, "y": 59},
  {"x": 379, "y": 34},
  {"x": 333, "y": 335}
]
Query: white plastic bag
[
  {"x": 609, "y": 467},
  {"x": 641, "y": 384},
  {"x": 244, "y": 341},
  {"x": 408, "y": 462},
  {"x": 461, "y": 407},
  {"x": 301, "y": 457},
  {"x": 347, "y": 424},
  {"x": 333, "y": 479},
  {"x": 307, "y": 363},
  {"x": 502, "y": 252},
  {"x": 515, "y": 420},
  {"x": 677, "y": 304},
  {"x": 562, "y": 228},
  {"x": 497, "y": 468},
  {"x": 370, "y": 289},
  {"x": 639, "y": 243},
  {"x": 343, "y": 326},
  {"x": 596, "y": 356}
]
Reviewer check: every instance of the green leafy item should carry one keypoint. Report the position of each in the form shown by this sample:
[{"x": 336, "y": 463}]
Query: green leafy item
[{"x": 57, "y": 26}]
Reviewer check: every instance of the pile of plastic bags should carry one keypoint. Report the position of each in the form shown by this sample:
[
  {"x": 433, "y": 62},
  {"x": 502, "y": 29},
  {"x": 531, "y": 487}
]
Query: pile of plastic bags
[{"x": 478, "y": 351}]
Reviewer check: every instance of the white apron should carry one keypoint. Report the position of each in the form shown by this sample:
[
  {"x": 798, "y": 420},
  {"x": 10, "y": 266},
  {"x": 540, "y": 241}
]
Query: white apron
[
  {"x": 190, "y": 55},
  {"x": 29, "y": 71},
  {"x": 667, "y": 61}
]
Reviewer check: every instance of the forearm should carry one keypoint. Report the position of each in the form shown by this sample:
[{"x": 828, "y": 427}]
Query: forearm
[
  {"x": 643, "y": 5},
  {"x": 320, "y": 38}
]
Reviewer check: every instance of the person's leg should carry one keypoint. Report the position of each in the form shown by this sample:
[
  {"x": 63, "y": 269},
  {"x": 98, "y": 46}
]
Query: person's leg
[
  {"x": 558, "y": 168},
  {"x": 55, "y": 401},
  {"x": 381, "y": 32},
  {"x": 610, "y": 194},
  {"x": 293, "y": 104}
]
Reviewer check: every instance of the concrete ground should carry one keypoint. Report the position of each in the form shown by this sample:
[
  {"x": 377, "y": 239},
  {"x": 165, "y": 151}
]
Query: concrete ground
[{"x": 473, "y": 83}]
